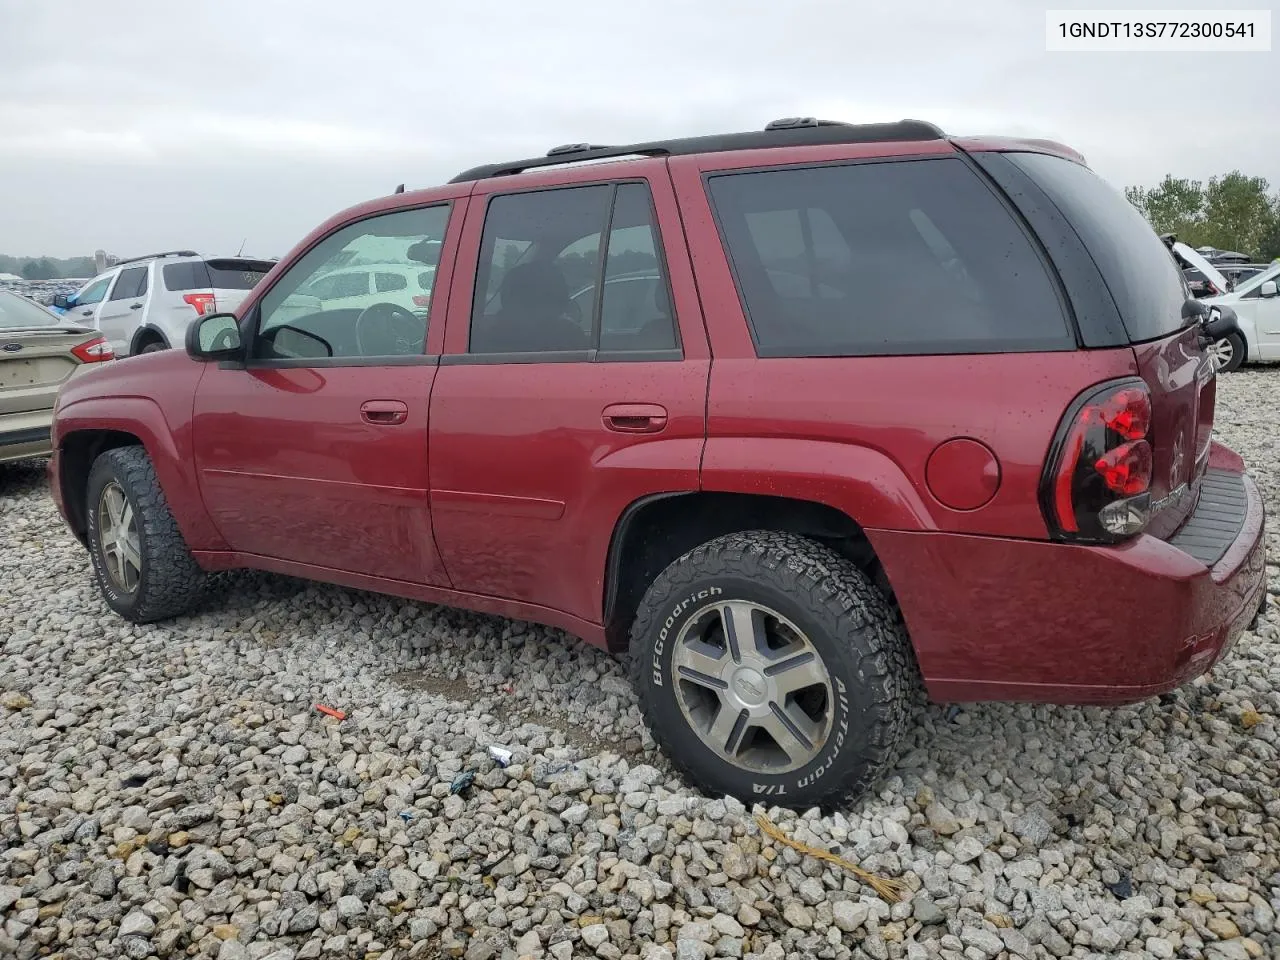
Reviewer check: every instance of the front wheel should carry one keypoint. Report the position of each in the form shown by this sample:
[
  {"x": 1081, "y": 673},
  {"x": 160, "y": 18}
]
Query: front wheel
[
  {"x": 143, "y": 567},
  {"x": 1229, "y": 353},
  {"x": 773, "y": 670}
]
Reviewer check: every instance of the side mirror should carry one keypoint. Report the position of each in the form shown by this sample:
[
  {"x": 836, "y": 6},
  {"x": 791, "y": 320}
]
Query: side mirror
[
  {"x": 1268, "y": 289},
  {"x": 215, "y": 336},
  {"x": 62, "y": 301},
  {"x": 1219, "y": 322}
]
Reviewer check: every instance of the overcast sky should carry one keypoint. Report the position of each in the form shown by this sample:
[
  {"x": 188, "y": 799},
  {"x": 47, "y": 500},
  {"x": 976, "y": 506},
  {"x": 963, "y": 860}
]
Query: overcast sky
[{"x": 137, "y": 125}]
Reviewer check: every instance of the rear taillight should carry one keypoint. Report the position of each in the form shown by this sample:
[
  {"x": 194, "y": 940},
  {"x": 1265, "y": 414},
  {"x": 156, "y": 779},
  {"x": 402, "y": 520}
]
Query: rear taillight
[
  {"x": 1097, "y": 480},
  {"x": 93, "y": 351},
  {"x": 422, "y": 301},
  {"x": 203, "y": 302}
]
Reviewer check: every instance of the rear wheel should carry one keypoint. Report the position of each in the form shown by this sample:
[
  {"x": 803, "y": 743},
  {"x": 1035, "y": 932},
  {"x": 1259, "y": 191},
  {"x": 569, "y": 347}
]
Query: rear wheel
[
  {"x": 771, "y": 669},
  {"x": 152, "y": 346},
  {"x": 143, "y": 567},
  {"x": 1228, "y": 354}
]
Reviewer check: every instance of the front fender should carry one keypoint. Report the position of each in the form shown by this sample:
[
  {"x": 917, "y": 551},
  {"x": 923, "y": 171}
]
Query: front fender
[
  {"x": 860, "y": 482},
  {"x": 170, "y": 454}
]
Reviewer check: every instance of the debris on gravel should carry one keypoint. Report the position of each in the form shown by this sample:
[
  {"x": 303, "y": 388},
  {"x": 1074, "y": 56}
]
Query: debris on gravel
[{"x": 171, "y": 790}]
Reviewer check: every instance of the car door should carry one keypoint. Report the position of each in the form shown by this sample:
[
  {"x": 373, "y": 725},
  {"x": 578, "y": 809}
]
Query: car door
[
  {"x": 313, "y": 450},
  {"x": 84, "y": 310},
  {"x": 546, "y": 420},
  {"x": 123, "y": 311},
  {"x": 1264, "y": 303}
]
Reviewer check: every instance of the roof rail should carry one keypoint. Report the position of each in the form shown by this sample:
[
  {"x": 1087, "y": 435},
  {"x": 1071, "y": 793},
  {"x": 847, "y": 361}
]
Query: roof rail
[
  {"x": 157, "y": 256},
  {"x": 787, "y": 132}
]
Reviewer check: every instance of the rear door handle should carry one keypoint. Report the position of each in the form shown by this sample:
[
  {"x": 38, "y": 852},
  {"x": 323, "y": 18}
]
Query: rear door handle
[
  {"x": 635, "y": 417},
  {"x": 136, "y": 306},
  {"x": 384, "y": 412}
]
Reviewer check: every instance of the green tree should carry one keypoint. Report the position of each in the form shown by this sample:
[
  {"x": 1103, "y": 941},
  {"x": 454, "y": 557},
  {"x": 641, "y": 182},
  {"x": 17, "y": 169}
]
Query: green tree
[
  {"x": 1175, "y": 206},
  {"x": 1239, "y": 212},
  {"x": 41, "y": 269},
  {"x": 1269, "y": 248}
]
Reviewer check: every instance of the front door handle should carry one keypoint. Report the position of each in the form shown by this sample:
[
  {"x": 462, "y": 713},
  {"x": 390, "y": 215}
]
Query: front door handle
[
  {"x": 136, "y": 306},
  {"x": 635, "y": 417},
  {"x": 384, "y": 412}
]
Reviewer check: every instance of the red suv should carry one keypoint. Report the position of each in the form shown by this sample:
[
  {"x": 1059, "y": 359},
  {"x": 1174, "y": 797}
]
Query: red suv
[{"x": 798, "y": 418}]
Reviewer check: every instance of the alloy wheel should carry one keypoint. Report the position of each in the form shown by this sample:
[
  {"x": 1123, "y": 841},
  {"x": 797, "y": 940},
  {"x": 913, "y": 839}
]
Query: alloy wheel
[
  {"x": 752, "y": 686},
  {"x": 1221, "y": 352},
  {"x": 118, "y": 538}
]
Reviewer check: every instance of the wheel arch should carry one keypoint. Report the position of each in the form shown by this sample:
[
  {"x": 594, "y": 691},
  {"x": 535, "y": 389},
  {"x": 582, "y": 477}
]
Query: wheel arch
[
  {"x": 654, "y": 530},
  {"x": 84, "y": 429},
  {"x": 147, "y": 333}
]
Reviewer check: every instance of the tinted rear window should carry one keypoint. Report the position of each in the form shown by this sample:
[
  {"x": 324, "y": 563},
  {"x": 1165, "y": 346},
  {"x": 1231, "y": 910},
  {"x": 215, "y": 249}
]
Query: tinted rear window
[
  {"x": 214, "y": 275},
  {"x": 1140, "y": 273},
  {"x": 901, "y": 257}
]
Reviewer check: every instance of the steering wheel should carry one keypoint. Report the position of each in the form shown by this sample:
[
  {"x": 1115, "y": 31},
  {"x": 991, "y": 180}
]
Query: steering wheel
[{"x": 400, "y": 330}]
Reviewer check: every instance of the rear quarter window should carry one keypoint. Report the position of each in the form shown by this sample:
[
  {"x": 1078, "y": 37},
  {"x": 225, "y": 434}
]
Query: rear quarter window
[
  {"x": 881, "y": 258},
  {"x": 1142, "y": 276}
]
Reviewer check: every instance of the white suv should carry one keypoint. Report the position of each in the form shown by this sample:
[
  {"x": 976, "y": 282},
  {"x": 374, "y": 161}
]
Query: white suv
[{"x": 146, "y": 303}]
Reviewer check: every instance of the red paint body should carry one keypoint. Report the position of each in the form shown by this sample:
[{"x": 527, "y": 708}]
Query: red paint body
[{"x": 499, "y": 487}]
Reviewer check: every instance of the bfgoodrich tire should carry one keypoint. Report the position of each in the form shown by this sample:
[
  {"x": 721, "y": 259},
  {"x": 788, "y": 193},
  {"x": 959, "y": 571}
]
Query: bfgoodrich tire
[
  {"x": 142, "y": 565},
  {"x": 771, "y": 669}
]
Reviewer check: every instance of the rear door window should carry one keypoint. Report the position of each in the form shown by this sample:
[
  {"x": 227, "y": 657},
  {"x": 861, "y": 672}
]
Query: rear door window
[
  {"x": 1142, "y": 277},
  {"x": 131, "y": 284},
  {"x": 900, "y": 257}
]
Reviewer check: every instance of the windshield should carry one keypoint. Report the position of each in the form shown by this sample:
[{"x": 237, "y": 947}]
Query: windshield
[
  {"x": 16, "y": 312},
  {"x": 1257, "y": 280}
]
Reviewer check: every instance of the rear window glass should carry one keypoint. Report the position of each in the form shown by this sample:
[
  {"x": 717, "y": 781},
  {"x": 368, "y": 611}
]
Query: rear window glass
[
  {"x": 222, "y": 275},
  {"x": 1135, "y": 264},
  {"x": 901, "y": 257}
]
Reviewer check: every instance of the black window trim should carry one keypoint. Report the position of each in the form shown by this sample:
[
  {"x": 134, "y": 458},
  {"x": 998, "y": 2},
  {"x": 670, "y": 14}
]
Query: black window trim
[
  {"x": 250, "y": 323},
  {"x": 920, "y": 348},
  {"x": 669, "y": 354}
]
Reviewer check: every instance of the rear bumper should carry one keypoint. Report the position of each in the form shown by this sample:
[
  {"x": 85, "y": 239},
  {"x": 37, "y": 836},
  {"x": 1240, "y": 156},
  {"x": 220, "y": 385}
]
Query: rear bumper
[
  {"x": 996, "y": 619},
  {"x": 26, "y": 435}
]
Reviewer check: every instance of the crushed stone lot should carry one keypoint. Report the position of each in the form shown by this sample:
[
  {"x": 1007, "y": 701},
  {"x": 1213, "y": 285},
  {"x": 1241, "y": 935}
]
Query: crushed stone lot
[{"x": 171, "y": 791}]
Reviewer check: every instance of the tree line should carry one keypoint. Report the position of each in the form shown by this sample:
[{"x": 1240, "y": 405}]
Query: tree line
[
  {"x": 47, "y": 268},
  {"x": 1230, "y": 212}
]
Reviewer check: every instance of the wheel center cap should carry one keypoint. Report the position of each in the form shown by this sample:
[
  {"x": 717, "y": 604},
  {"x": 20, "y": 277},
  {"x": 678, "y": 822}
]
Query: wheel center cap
[{"x": 750, "y": 686}]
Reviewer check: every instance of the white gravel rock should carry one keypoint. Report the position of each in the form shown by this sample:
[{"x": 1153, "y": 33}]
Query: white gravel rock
[{"x": 170, "y": 791}]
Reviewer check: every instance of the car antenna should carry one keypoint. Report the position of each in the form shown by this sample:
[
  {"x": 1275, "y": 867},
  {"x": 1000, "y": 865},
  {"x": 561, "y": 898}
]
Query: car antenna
[
  {"x": 399, "y": 189},
  {"x": 242, "y": 243}
]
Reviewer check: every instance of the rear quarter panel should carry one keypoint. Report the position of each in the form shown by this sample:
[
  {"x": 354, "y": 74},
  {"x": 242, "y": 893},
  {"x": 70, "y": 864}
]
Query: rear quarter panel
[{"x": 856, "y": 433}]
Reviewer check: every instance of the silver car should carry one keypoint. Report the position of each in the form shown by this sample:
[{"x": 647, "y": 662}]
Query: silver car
[
  {"x": 146, "y": 303},
  {"x": 39, "y": 350}
]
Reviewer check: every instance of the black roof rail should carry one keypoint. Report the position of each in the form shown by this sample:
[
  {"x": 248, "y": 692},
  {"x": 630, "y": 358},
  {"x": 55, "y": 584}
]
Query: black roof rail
[
  {"x": 787, "y": 132},
  {"x": 157, "y": 256}
]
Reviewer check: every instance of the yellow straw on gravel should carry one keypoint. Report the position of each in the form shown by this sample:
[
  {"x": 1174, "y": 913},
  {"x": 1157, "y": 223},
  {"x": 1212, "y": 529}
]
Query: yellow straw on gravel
[{"x": 891, "y": 891}]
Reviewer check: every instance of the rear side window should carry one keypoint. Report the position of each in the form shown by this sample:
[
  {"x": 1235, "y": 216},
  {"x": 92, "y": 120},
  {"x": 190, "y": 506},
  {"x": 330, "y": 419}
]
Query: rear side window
[
  {"x": 384, "y": 282},
  {"x": 1143, "y": 278},
  {"x": 901, "y": 257},
  {"x": 572, "y": 270}
]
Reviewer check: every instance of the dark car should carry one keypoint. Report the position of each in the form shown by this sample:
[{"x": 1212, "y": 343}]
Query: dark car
[{"x": 876, "y": 406}]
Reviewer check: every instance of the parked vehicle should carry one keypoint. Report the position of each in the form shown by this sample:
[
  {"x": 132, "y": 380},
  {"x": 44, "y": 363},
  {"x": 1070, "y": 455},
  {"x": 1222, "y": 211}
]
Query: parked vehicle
[
  {"x": 38, "y": 351},
  {"x": 1237, "y": 273},
  {"x": 1257, "y": 308},
  {"x": 1203, "y": 278},
  {"x": 903, "y": 407},
  {"x": 145, "y": 304},
  {"x": 357, "y": 287}
]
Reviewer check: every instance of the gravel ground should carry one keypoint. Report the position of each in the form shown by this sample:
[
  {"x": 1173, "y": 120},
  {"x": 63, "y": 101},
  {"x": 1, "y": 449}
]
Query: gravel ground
[{"x": 170, "y": 790}]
